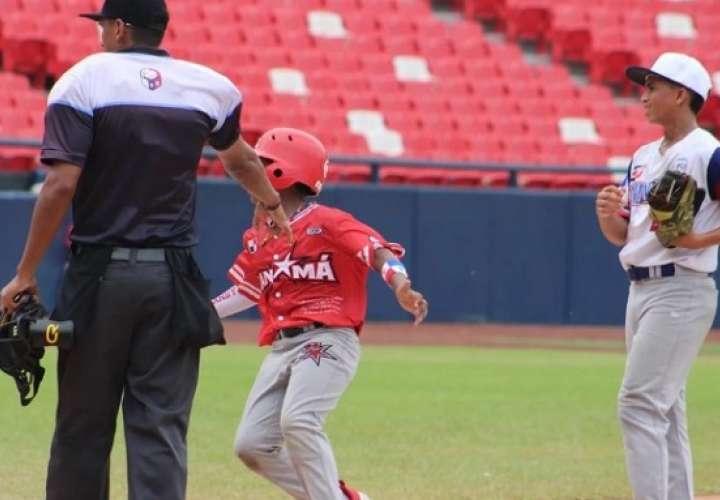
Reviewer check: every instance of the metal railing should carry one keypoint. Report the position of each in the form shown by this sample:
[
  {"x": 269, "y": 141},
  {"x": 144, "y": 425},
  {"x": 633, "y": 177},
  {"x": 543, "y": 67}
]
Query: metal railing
[{"x": 376, "y": 162}]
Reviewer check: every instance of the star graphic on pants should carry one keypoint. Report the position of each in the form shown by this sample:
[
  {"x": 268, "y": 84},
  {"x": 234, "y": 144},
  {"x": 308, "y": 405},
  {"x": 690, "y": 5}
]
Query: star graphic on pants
[{"x": 316, "y": 351}]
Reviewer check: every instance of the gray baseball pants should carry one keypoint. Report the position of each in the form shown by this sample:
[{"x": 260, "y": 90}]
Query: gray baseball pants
[
  {"x": 666, "y": 323},
  {"x": 281, "y": 434}
]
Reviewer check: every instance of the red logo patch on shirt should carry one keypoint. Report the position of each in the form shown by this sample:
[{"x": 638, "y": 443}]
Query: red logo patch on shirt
[
  {"x": 151, "y": 78},
  {"x": 637, "y": 171},
  {"x": 316, "y": 351}
]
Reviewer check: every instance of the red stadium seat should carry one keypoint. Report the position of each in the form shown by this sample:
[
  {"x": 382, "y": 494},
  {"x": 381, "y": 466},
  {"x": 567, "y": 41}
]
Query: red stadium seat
[
  {"x": 396, "y": 25},
  {"x": 485, "y": 101},
  {"x": 308, "y": 60},
  {"x": 429, "y": 28},
  {"x": 18, "y": 160},
  {"x": 527, "y": 19},
  {"x": 189, "y": 34},
  {"x": 385, "y": 85},
  {"x": 72, "y": 7},
  {"x": 412, "y": 175},
  {"x": 342, "y": 6},
  {"x": 350, "y": 144},
  {"x": 400, "y": 44},
  {"x": 19, "y": 24},
  {"x": 389, "y": 103},
  {"x": 298, "y": 39},
  {"x": 429, "y": 176},
  {"x": 343, "y": 62},
  {"x": 387, "y": 6},
  {"x": 465, "y": 178},
  {"x": 224, "y": 36},
  {"x": 30, "y": 57},
  {"x": 284, "y": 18},
  {"x": 349, "y": 173},
  {"x": 321, "y": 81},
  {"x": 360, "y": 23},
  {"x": 420, "y": 144},
  {"x": 587, "y": 155},
  {"x": 377, "y": 64},
  {"x": 257, "y": 19},
  {"x": 359, "y": 100},
  {"x": 570, "y": 33},
  {"x": 574, "y": 181},
  {"x": 482, "y": 9},
  {"x": 535, "y": 181}
]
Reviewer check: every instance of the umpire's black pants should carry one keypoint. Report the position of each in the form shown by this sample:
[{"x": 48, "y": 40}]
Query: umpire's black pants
[{"x": 126, "y": 349}]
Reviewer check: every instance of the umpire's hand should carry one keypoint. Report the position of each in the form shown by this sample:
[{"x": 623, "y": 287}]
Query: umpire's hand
[
  {"x": 14, "y": 290},
  {"x": 272, "y": 222}
]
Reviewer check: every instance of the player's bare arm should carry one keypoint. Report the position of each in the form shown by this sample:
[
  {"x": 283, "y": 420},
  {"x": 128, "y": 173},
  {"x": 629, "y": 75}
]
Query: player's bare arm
[
  {"x": 696, "y": 241},
  {"x": 243, "y": 164},
  {"x": 52, "y": 204},
  {"x": 410, "y": 300},
  {"x": 607, "y": 206}
]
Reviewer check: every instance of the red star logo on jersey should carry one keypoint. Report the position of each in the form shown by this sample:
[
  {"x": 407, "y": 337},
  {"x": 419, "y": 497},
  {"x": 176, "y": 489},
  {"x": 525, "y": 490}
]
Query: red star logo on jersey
[
  {"x": 637, "y": 171},
  {"x": 316, "y": 351}
]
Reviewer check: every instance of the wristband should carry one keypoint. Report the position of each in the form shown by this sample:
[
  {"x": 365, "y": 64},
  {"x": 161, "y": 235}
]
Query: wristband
[{"x": 390, "y": 269}]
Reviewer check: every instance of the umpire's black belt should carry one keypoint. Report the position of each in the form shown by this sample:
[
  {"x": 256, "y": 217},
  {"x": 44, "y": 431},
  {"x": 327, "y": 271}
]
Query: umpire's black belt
[
  {"x": 294, "y": 331},
  {"x": 138, "y": 254}
]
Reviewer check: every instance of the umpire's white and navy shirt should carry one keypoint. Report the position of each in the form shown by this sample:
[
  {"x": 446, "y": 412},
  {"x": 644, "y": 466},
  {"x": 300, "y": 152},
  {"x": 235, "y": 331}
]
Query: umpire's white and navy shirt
[
  {"x": 136, "y": 121},
  {"x": 697, "y": 154}
]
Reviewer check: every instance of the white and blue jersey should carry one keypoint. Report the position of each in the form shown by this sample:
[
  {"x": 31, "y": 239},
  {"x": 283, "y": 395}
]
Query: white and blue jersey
[{"x": 697, "y": 154}]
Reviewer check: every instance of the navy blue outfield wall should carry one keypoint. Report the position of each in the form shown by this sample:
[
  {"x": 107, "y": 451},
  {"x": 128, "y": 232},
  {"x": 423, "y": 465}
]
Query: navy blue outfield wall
[{"x": 507, "y": 256}]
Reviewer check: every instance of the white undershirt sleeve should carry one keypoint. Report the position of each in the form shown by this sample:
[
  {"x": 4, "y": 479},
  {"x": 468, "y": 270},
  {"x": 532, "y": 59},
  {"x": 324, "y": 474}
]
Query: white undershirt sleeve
[{"x": 230, "y": 302}]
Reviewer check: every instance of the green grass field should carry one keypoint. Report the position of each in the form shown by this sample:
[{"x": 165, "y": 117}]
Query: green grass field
[{"x": 417, "y": 423}]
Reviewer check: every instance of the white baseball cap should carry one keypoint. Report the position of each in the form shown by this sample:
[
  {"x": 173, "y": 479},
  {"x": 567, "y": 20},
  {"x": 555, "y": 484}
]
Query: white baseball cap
[{"x": 678, "y": 68}]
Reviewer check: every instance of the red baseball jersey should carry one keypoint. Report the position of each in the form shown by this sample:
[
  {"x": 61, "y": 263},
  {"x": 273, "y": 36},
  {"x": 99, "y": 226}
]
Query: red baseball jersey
[{"x": 320, "y": 278}]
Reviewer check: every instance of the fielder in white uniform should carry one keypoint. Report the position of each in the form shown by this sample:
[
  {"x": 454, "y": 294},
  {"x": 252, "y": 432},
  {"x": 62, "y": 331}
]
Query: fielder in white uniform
[{"x": 672, "y": 298}]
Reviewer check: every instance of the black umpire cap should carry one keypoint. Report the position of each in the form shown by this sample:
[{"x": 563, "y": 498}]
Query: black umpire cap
[{"x": 148, "y": 14}]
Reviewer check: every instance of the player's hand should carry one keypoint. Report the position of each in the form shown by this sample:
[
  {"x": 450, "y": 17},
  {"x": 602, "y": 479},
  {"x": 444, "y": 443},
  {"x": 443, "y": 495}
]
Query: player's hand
[
  {"x": 272, "y": 223},
  {"x": 608, "y": 201},
  {"x": 693, "y": 241},
  {"x": 412, "y": 301},
  {"x": 14, "y": 289}
]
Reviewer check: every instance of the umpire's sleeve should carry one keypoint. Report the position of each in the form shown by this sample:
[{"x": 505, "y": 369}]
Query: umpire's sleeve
[
  {"x": 229, "y": 132},
  {"x": 68, "y": 121},
  {"x": 227, "y": 127}
]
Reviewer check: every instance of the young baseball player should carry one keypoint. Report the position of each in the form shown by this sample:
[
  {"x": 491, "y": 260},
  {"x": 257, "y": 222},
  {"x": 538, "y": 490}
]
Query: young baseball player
[
  {"x": 672, "y": 297},
  {"x": 312, "y": 299}
]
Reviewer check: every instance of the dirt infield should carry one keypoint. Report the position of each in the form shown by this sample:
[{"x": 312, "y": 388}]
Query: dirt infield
[{"x": 480, "y": 335}]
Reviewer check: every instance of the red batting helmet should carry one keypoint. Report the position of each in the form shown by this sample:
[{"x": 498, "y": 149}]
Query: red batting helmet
[{"x": 296, "y": 156}]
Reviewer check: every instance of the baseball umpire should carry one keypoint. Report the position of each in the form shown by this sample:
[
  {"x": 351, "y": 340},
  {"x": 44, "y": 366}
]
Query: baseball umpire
[
  {"x": 667, "y": 221},
  {"x": 124, "y": 131}
]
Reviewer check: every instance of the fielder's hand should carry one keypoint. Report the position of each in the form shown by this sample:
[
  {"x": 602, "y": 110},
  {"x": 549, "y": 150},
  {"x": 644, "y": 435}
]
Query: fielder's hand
[
  {"x": 271, "y": 223},
  {"x": 412, "y": 301},
  {"x": 14, "y": 290},
  {"x": 608, "y": 201}
]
